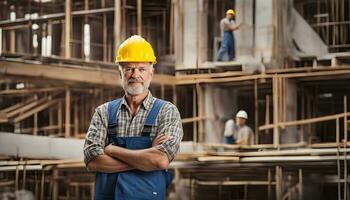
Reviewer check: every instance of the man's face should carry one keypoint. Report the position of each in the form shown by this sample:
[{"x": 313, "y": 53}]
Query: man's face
[
  {"x": 230, "y": 16},
  {"x": 240, "y": 121},
  {"x": 136, "y": 77}
]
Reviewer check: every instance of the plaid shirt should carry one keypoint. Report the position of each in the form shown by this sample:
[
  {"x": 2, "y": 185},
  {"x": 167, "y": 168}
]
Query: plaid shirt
[{"x": 168, "y": 122}]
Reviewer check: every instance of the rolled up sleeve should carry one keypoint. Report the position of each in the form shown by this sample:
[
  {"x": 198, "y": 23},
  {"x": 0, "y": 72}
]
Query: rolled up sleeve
[
  {"x": 95, "y": 138},
  {"x": 170, "y": 125}
]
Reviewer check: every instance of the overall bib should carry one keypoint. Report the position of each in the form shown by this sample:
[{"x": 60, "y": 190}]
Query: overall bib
[
  {"x": 134, "y": 184},
  {"x": 227, "y": 45}
]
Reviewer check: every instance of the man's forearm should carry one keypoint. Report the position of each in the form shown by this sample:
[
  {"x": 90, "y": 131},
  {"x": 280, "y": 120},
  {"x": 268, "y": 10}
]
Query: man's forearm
[
  {"x": 145, "y": 159},
  {"x": 242, "y": 142},
  {"x": 107, "y": 164}
]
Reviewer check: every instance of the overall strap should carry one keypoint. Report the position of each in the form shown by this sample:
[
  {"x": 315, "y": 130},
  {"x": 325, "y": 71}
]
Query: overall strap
[
  {"x": 113, "y": 109},
  {"x": 152, "y": 116}
]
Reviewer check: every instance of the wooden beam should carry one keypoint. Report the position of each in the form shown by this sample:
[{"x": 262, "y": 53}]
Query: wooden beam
[
  {"x": 13, "y": 41},
  {"x": 76, "y": 118},
  {"x": 59, "y": 116},
  {"x": 267, "y": 112},
  {"x": 68, "y": 110},
  {"x": 256, "y": 111},
  {"x": 306, "y": 121},
  {"x": 139, "y": 17},
  {"x": 68, "y": 24},
  {"x": 162, "y": 91},
  {"x": 194, "y": 114},
  {"x": 345, "y": 119},
  {"x": 276, "y": 136},
  {"x": 55, "y": 181},
  {"x": 103, "y": 77},
  {"x": 35, "y": 120},
  {"x": 29, "y": 91},
  {"x": 171, "y": 29},
  {"x": 34, "y": 110},
  {"x": 26, "y": 107},
  {"x": 105, "y": 34},
  {"x": 337, "y": 132},
  {"x": 17, "y": 105},
  {"x": 201, "y": 112},
  {"x": 174, "y": 95}
]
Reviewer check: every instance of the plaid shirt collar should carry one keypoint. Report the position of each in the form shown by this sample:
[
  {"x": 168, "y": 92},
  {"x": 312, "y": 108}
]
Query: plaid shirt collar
[{"x": 146, "y": 103}]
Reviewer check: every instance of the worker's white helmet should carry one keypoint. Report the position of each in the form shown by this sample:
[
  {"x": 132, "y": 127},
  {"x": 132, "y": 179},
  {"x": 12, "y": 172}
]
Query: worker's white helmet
[{"x": 242, "y": 114}]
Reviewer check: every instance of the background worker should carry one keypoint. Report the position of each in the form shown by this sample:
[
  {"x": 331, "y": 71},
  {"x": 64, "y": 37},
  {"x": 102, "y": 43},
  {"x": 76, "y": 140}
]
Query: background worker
[
  {"x": 238, "y": 132},
  {"x": 227, "y": 27}
]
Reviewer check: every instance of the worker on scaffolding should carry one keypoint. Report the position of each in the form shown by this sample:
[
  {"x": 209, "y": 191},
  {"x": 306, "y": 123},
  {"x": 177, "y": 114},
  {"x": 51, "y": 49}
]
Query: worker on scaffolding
[
  {"x": 238, "y": 132},
  {"x": 227, "y": 27},
  {"x": 132, "y": 140}
]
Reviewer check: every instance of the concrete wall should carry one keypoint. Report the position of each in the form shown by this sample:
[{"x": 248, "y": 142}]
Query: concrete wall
[{"x": 218, "y": 112}]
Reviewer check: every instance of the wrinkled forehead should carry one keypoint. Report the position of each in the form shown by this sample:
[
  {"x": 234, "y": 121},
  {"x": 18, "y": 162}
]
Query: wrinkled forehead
[{"x": 135, "y": 64}]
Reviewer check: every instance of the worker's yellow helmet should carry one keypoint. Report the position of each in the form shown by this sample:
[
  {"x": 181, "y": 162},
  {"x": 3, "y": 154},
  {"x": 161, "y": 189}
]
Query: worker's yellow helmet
[
  {"x": 135, "y": 49},
  {"x": 230, "y": 11}
]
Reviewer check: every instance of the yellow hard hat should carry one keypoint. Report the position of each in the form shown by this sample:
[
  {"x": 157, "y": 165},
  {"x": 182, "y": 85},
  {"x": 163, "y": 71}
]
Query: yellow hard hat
[
  {"x": 230, "y": 11},
  {"x": 135, "y": 49}
]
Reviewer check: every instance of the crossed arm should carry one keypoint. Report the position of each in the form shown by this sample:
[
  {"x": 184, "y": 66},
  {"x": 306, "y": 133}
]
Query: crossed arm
[{"x": 118, "y": 159}]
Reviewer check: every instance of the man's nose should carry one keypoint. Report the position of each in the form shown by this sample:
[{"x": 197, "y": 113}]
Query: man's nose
[{"x": 135, "y": 73}]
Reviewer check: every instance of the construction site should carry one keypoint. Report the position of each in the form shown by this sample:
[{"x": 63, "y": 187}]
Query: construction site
[{"x": 291, "y": 75}]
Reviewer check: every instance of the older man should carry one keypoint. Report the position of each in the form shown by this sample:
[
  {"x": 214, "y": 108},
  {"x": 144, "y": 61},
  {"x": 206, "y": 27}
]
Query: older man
[{"x": 132, "y": 140}]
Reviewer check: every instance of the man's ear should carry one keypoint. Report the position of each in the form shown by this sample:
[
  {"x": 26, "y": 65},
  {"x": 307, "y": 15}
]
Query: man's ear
[{"x": 152, "y": 71}]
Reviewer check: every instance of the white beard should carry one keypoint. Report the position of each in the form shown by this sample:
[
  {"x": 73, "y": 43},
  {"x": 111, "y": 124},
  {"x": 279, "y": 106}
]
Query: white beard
[{"x": 135, "y": 90}]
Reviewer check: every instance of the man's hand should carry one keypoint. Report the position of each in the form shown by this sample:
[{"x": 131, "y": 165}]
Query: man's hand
[
  {"x": 159, "y": 139},
  {"x": 108, "y": 149}
]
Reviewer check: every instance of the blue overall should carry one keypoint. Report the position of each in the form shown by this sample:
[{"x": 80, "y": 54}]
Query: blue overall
[
  {"x": 132, "y": 184},
  {"x": 228, "y": 140},
  {"x": 227, "y": 45}
]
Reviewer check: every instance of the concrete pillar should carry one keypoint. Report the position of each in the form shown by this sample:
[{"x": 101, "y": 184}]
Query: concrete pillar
[{"x": 290, "y": 134}]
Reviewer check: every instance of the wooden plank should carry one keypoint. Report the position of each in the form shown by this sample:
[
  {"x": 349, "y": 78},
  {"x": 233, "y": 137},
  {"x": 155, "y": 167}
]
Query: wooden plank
[
  {"x": 28, "y": 91},
  {"x": 217, "y": 158},
  {"x": 16, "y": 106},
  {"x": 306, "y": 121},
  {"x": 234, "y": 183},
  {"x": 63, "y": 73},
  {"x": 26, "y": 107},
  {"x": 34, "y": 110}
]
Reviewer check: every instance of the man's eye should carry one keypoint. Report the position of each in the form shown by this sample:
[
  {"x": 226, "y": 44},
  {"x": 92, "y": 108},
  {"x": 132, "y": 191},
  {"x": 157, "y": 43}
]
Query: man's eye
[{"x": 142, "y": 70}]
